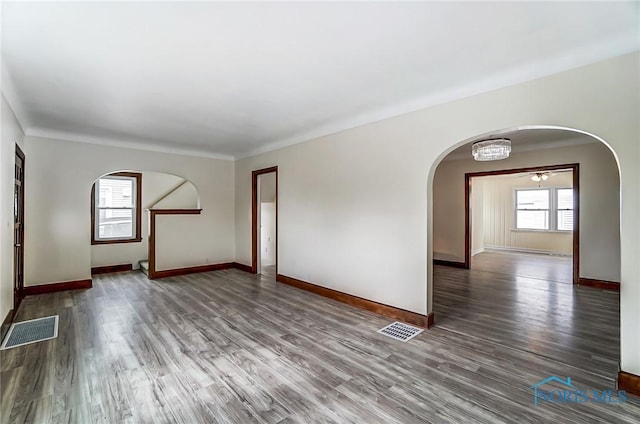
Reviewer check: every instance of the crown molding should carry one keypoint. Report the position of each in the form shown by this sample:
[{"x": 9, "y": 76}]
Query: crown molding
[
  {"x": 10, "y": 95},
  {"x": 126, "y": 144},
  {"x": 603, "y": 51},
  {"x": 528, "y": 72}
]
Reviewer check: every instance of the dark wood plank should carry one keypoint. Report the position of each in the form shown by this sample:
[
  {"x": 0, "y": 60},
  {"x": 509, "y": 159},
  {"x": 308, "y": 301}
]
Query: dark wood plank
[
  {"x": 192, "y": 270},
  {"x": 449, "y": 263},
  {"x": 56, "y": 287},
  {"x": 111, "y": 268},
  {"x": 176, "y": 211},
  {"x": 599, "y": 284},
  {"x": 138, "y": 235},
  {"x": 242, "y": 267},
  {"x": 629, "y": 382},
  {"x": 369, "y": 305}
]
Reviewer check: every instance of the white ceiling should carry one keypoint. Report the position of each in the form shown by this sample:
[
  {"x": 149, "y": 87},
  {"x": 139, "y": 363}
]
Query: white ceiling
[{"x": 233, "y": 79}]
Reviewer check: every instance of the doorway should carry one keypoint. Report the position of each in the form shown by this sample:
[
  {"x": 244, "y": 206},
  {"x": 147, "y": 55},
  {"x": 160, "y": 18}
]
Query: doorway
[
  {"x": 18, "y": 230},
  {"x": 264, "y": 207},
  {"x": 531, "y": 301},
  {"x": 541, "y": 208}
]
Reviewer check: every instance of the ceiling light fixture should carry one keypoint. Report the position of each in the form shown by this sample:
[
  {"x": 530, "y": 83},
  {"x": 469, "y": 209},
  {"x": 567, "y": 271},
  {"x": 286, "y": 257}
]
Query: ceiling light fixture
[
  {"x": 493, "y": 149},
  {"x": 540, "y": 176}
]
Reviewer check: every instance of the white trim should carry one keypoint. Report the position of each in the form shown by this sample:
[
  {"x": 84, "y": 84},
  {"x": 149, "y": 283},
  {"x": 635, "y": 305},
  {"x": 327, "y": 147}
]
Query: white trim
[
  {"x": 126, "y": 144},
  {"x": 10, "y": 95},
  {"x": 580, "y": 57},
  {"x": 531, "y": 230},
  {"x": 525, "y": 250},
  {"x": 477, "y": 251},
  {"x": 8, "y": 336}
]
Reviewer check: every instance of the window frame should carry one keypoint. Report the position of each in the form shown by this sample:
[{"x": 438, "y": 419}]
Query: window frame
[
  {"x": 557, "y": 209},
  {"x": 137, "y": 215},
  {"x": 549, "y": 210},
  {"x": 553, "y": 209}
]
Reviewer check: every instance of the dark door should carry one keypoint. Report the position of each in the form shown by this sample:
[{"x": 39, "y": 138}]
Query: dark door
[{"x": 18, "y": 231}]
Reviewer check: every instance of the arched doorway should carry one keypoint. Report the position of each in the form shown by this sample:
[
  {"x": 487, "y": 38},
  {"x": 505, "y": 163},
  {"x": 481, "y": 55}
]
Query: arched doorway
[
  {"x": 530, "y": 310},
  {"x": 123, "y": 225}
]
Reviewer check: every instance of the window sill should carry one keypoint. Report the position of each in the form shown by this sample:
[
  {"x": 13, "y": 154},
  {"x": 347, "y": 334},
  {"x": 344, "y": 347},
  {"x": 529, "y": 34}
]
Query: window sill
[
  {"x": 116, "y": 241},
  {"x": 523, "y": 230}
]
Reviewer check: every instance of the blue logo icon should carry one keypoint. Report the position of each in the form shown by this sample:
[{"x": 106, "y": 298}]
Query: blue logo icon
[{"x": 571, "y": 394}]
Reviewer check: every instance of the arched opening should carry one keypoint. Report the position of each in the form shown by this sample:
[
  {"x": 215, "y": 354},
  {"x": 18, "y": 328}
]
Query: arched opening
[
  {"x": 122, "y": 205},
  {"x": 508, "y": 291}
]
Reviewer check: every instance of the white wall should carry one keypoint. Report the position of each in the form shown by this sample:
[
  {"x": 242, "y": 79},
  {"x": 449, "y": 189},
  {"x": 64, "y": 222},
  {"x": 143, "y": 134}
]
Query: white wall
[
  {"x": 60, "y": 175},
  {"x": 337, "y": 217},
  {"x": 477, "y": 206},
  {"x": 183, "y": 197},
  {"x": 599, "y": 206},
  {"x": 155, "y": 185},
  {"x": 184, "y": 241},
  {"x": 335, "y": 231},
  {"x": 267, "y": 233},
  {"x": 11, "y": 134},
  {"x": 499, "y": 217}
]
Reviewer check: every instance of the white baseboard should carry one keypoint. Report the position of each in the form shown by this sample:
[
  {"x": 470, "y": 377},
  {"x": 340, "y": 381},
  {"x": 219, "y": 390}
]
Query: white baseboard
[
  {"x": 475, "y": 252},
  {"x": 524, "y": 250}
]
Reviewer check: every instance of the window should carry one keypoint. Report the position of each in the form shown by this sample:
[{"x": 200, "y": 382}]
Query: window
[
  {"x": 115, "y": 208},
  {"x": 544, "y": 209},
  {"x": 564, "y": 208},
  {"x": 532, "y": 209}
]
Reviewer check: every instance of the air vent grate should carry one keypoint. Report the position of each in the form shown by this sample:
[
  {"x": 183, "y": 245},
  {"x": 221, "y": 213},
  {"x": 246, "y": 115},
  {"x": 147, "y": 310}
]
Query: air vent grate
[
  {"x": 32, "y": 331},
  {"x": 400, "y": 331}
]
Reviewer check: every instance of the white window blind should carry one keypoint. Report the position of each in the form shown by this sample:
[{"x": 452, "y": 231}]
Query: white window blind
[
  {"x": 532, "y": 209},
  {"x": 564, "y": 211},
  {"x": 115, "y": 208}
]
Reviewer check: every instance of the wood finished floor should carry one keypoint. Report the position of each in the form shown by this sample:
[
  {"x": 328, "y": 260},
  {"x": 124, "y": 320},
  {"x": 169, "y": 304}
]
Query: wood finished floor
[
  {"x": 230, "y": 347},
  {"x": 268, "y": 271},
  {"x": 552, "y": 268},
  {"x": 527, "y": 301}
]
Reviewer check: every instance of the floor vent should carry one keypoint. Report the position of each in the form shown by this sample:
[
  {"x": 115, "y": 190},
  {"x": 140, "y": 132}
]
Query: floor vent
[
  {"x": 400, "y": 331},
  {"x": 32, "y": 331}
]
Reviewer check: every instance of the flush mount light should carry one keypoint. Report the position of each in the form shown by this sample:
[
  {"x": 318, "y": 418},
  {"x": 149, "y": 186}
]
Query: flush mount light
[{"x": 493, "y": 149}]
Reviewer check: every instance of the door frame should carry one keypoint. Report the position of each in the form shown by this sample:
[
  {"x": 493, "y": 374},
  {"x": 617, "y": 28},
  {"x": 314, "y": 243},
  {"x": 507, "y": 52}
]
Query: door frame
[
  {"x": 18, "y": 293},
  {"x": 254, "y": 216},
  {"x": 575, "y": 168}
]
